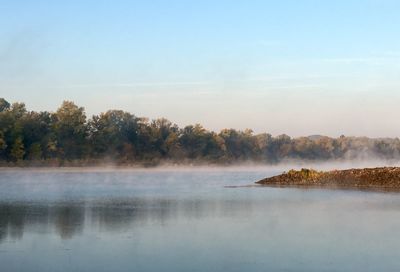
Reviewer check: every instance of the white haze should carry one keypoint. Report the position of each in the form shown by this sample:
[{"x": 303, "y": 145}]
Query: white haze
[{"x": 242, "y": 167}]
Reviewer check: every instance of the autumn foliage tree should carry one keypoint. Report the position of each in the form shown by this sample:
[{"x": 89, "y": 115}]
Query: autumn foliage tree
[{"x": 66, "y": 135}]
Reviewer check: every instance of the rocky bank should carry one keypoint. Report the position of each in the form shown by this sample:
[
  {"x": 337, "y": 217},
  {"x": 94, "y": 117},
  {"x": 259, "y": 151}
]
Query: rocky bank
[{"x": 380, "y": 177}]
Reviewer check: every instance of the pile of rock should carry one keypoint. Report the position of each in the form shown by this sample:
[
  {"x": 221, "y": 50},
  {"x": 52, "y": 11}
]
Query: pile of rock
[{"x": 384, "y": 177}]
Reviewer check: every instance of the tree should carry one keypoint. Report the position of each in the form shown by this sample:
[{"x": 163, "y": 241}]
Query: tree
[
  {"x": 279, "y": 148},
  {"x": 303, "y": 147},
  {"x": 192, "y": 140},
  {"x": 71, "y": 130},
  {"x": 114, "y": 134},
  {"x": 172, "y": 146},
  {"x": 3, "y": 144},
  {"x": 35, "y": 152},
  {"x": 17, "y": 150},
  {"x": 18, "y": 110},
  {"x": 11, "y": 127},
  {"x": 240, "y": 145},
  {"x": 4, "y": 105},
  {"x": 164, "y": 136},
  {"x": 119, "y": 135},
  {"x": 37, "y": 133}
]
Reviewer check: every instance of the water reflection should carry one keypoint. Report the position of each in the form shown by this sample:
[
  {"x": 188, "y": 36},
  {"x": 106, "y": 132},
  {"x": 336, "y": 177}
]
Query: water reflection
[
  {"x": 68, "y": 219},
  {"x": 188, "y": 221},
  {"x": 12, "y": 221}
]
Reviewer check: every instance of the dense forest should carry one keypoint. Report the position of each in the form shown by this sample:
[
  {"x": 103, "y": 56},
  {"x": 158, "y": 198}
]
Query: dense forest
[{"x": 68, "y": 137}]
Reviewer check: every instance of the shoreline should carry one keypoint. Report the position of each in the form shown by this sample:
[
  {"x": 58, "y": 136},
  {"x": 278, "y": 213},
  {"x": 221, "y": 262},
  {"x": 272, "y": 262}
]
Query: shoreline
[{"x": 387, "y": 178}]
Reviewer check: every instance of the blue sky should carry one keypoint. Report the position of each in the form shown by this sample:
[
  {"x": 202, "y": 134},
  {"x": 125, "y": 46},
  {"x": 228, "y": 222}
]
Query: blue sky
[{"x": 295, "y": 67}]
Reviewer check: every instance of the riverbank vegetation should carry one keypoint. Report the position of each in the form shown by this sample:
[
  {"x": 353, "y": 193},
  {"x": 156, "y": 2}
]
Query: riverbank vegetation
[{"x": 68, "y": 137}]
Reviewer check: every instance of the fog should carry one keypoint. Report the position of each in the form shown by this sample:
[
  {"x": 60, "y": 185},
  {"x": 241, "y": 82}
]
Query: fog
[{"x": 244, "y": 166}]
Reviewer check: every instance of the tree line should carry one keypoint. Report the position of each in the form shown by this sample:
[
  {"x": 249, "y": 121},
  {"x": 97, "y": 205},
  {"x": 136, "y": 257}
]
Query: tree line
[{"x": 68, "y": 137}]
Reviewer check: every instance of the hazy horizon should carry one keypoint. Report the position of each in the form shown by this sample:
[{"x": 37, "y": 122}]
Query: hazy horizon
[
  {"x": 295, "y": 67},
  {"x": 255, "y": 132}
]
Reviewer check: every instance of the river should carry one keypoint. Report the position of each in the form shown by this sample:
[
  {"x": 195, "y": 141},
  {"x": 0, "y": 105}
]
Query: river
[{"x": 190, "y": 220}]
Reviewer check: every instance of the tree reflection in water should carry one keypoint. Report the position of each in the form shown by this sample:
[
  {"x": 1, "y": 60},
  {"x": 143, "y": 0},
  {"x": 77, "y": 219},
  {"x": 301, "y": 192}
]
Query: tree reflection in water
[{"x": 68, "y": 219}]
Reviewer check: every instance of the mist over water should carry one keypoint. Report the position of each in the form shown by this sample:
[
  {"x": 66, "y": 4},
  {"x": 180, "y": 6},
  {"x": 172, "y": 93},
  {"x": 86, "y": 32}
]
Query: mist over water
[
  {"x": 187, "y": 220},
  {"x": 248, "y": 166}
]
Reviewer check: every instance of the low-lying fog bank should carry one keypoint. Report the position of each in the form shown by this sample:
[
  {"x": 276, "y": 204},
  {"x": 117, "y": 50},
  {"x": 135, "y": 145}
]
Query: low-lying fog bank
[{"x": 247, "y": 166}]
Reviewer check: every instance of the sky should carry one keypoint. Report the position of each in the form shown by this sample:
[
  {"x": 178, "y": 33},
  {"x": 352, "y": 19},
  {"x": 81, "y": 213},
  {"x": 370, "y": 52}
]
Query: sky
[{"x": 291, "y": 66}]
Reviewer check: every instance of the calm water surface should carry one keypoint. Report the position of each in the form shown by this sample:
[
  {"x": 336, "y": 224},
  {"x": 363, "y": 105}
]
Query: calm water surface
[{"x": 174, "y": 220}]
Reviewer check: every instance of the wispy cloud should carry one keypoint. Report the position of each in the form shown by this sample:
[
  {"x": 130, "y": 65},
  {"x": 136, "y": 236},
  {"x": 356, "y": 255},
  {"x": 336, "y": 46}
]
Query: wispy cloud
[
  {"x": 363, "y": 60},
  {"x": 117, "y": 85},
  {"x": 392, "y": 53},
  {"x": 140, "y": 84}
]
